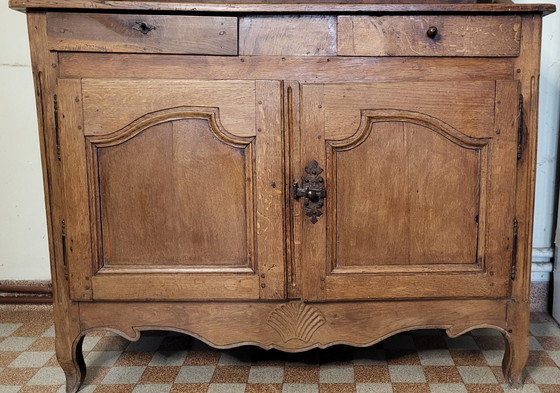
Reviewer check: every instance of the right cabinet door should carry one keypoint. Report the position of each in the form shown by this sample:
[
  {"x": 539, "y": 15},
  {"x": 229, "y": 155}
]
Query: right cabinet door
[{"x": 419, "y": 182}]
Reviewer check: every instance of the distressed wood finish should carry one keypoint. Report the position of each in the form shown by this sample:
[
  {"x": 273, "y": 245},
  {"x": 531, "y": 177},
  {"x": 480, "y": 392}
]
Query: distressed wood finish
[
  {"x": 170, "y": 170},
  {"x": 404, "y": 35},
  {"x": 465, "y": 106},
  {"x": 68, "y": 340},
  {"x": 277, "y": 325},
  {"x": 142, "y": 33},
  {"x": 160, "y": 176},
  {"x": 282, "y": 6},
  {"x": 303, "y": 69},
  {"x": 76, "y": 244},
  {"x": 527, "y": 72},
  {"x": 156, "y": 170},
  {"x": 287, "y": 36},
  {"x": 433, "y": 208},
  {"x": 235, "y": 100}
]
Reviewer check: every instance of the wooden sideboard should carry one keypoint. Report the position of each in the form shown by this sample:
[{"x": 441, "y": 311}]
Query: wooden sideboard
[{"x": 286, "y": 174}]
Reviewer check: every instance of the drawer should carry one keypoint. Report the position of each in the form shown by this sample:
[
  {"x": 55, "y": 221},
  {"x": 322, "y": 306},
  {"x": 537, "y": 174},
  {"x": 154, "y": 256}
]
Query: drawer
[
  {"x": 429, "y": 35},
  {"x": 287, "y": 35},
  {"x": 179, "y": 34}
]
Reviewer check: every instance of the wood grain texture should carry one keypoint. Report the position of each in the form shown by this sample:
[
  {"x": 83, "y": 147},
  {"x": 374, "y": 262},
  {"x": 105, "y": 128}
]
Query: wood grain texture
[
  {"x": 302, "y": 35},
  {"x": 226, "y": 325},
  {"x": 162, "y": 195},
  {"x": 269, "y": 188},
  {"x": 44, "y": 76},
  {"x": 77, "y": 246},
  {"x": 175, "y": 286},
  {"x": 502, "y": 173},
  {"x": 406, "y": 35},
  {"x": 293, "y": 167},
  {"x": 425, "y": 212},
  {"x": 308, "y": 69},
  {"x": 527, "y": 73},
  {"x": 235, "y": 99},
  {"x": 527, "y": 70},
  {"x": 161, "y": 186},
  {"x": 314, "y": 250},
  {"x": 67, "y": 324},
  {"x": 466, "y": 106},
  {"x": 410, "y": 201},
  {"x": 329, "y": 6},
  {"x": 211, "y": 35}
]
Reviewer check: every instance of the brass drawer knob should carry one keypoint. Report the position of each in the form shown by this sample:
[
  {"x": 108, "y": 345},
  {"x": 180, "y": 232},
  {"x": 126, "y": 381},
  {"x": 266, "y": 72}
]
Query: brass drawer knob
[{"x": 432, "y": 32}]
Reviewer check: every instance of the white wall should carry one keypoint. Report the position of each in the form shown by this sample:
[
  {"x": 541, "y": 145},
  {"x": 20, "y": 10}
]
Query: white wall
[
  {"x": 549, "y": 124},
  {"x": 23, "y": 233},
  {"x": 23, "y": 244}
]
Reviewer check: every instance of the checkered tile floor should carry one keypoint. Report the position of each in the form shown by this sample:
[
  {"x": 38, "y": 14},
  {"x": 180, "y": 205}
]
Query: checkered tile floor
[{"x": 161, "y": 362}]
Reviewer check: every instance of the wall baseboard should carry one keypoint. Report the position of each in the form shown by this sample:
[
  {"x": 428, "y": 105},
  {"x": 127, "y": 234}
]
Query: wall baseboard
[
  {"x": 542, "y": 265},
  {"x": 28, "y": 292},
  {"x": 40, "y": 292}
]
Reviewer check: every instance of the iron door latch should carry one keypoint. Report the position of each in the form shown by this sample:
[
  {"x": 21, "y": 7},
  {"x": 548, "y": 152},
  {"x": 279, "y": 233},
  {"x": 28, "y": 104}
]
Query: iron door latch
[{"x": 312, "y": 190}]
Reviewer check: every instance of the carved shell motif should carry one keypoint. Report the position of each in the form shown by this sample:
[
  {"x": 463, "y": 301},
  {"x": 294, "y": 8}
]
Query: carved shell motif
[{"x": 296, "y": 321}]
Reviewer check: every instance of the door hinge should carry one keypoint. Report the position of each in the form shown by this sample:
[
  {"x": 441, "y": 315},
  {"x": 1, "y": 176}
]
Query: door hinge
[
  {"x": 520, "y": 128},
  {"x": 56, "y": 128},
  {"x": 64, "y": 255},
  {"x": 513, "y": 273}
]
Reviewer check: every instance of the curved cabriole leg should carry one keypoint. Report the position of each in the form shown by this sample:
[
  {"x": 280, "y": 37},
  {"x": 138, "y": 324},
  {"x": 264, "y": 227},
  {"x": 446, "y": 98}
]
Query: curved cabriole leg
[
  {"x": 515, "y": 357},
  {"x": 517, "y": 343},
  {"x": 71, "y": 359}
]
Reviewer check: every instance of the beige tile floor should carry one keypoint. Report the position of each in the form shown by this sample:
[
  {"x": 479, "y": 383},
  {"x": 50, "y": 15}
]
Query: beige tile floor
[{"x": 160, "y": 362}]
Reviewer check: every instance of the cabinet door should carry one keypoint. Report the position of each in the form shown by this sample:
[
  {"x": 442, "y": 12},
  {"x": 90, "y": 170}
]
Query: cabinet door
[
  {"x": 174, "y": 188},
  {"x": 419, "y": 182}
]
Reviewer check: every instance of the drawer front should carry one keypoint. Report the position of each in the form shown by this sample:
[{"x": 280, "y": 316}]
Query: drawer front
[
  {"x": 429, "y": 35},
  {"x": 287, "y": 35},
  {"x": 178, "y": 34}
]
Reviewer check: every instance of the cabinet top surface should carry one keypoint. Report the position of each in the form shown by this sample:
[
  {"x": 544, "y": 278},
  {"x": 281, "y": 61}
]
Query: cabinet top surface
[{"x": 287, "y": 6}]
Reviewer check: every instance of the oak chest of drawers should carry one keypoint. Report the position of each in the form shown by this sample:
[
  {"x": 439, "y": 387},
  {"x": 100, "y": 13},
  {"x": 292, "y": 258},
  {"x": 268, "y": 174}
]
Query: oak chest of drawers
[{"x": 288, "y": 175}]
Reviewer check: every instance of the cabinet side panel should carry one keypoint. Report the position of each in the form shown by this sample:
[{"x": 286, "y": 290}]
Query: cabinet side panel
[
  {"x": 66, "y": 317},
  {"x": 44, "y": 76},
  {"x": 527, "y": 68}
]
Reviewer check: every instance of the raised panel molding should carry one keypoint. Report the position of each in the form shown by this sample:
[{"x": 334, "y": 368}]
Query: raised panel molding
[
  {"x": 430, "y": 124},
  {"x": 171, "y": 114},
  {"x": 186, "y": 255},
  {"x": 368, "y": 117}
]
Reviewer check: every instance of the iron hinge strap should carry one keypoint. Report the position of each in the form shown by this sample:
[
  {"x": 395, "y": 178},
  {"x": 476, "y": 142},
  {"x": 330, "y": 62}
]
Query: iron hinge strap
[
  {"x": 64, "y": 254},
  {"x": 56, "y": 128},
  {"x": 520, "y": 126},
  {"x": 513, "y": 274}
]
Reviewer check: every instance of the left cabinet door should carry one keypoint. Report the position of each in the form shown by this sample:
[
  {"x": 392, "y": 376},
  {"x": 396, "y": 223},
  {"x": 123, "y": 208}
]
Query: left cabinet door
[{"x": 173, "y": 189}]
